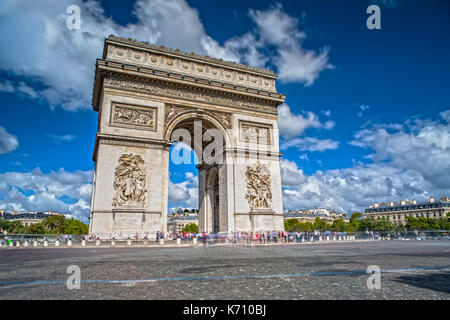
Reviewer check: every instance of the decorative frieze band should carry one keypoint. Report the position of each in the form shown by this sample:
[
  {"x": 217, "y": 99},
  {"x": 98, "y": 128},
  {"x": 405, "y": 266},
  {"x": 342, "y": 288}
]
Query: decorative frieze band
[{"x": 192, "y": 93}]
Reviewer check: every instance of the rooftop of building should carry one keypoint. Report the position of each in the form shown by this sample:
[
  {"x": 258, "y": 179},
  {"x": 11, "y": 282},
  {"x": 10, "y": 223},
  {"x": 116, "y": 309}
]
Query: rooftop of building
[
  {"x": 188, "y": 217},
  {"x": 443, "y": 202},
  {"x": 26, "y": 215},
  {"x": 312, "y": 213}
]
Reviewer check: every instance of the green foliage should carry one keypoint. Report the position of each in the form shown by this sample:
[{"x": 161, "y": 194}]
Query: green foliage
[
  {"x": 35, "y": 228},
  {"x": 421, "y": 223},
  {"x": 444, "y": 224},
  {"x": 190, "y": 228},
  {"x": 292, "y": 225},
  {"x": 366, "y": 224},
  {"x": 54, "y": 224},
  {"x": 11, "y": 226},
  {"x": 339, "y": 225},
  {"x": 51, "y": 225},
  {"x": 356, "y": 216},
  {"x": 320, "y": 225},
  {"x": 73, "y": 226},
  {"x": 358, "y": 223}
]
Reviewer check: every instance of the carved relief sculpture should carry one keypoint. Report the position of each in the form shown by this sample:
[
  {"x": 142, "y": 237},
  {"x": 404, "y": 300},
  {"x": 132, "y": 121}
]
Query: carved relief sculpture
[
  {"x": 225, "y": 119},
  {"x": 256, "y": 133},
  {"x": 174, "y": 110},
  {"x": 259, "y": 193},
  {"x": 133, "y": 116},
  {"x": 130, "y": 181}
]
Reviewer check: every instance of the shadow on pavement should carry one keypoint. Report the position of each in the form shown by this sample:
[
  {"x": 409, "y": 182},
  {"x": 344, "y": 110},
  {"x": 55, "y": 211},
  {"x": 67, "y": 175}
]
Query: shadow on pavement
[{"x": 432, "y": 281}]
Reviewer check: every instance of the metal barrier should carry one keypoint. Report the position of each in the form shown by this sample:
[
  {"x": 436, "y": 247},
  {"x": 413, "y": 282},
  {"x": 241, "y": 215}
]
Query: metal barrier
[{"x": 232, "y": 239}]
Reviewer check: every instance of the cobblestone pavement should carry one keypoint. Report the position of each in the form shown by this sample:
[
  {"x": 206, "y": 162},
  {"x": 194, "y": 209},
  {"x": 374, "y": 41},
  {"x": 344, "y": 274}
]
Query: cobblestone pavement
[{"x": 314, "y": 271}]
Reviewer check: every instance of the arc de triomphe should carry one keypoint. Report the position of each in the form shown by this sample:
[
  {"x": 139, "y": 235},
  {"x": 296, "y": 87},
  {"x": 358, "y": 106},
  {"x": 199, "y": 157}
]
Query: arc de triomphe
[{"x": 148, "y": 97}]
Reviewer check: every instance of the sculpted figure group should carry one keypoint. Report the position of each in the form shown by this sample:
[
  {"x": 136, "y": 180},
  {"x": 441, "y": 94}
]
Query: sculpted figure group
[
  {"x": 130, "y": 181},
  {"x": 131, "y": 116},
  {"x": 259, "y": 194}
]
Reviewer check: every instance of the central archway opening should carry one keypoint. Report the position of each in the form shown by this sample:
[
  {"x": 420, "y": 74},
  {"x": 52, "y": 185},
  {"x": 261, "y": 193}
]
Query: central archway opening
[{"x": 196, "y": 155}]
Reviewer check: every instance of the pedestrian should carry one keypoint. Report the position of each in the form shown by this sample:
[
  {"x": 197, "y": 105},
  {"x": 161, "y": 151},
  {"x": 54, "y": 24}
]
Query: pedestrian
[{"x": 204, "y": 238}]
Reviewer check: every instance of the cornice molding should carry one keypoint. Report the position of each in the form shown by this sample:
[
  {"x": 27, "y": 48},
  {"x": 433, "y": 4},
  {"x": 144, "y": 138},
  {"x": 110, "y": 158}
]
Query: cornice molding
[{"x": 129, "y": 142}]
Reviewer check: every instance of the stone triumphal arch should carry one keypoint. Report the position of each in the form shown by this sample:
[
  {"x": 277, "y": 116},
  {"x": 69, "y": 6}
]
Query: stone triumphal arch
[{"x": 148, "y": 97}]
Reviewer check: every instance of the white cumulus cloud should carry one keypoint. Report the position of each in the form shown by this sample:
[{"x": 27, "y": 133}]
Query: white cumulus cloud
[
  {"x": 43, "y": 50},
  {"x": 35, "y": 190},
  {"x": 184, "y": 193},
  {"x": 56, "y": 64},
  {"x": 277, "y": 30},
  {"x": 411, "y": 160},
  {"x": 8, "y": 142},
  {"x": 310, "y": 144},
  {"x": 291, "y": 125}
]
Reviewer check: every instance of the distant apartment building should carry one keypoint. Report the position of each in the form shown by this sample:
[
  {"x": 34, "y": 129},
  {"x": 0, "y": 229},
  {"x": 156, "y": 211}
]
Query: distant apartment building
[
  {"x": 397, "y": 212},
  {"x": 309, "y": 215},
  {"x": 177, "y": 221},
  {"x": 26, "y": 218}
]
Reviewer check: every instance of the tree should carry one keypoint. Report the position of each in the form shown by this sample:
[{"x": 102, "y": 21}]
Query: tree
[
  {"x": 51, "y": 225},
  {"x": 306, "y": 226},
  {"x": 73, "y": 226},
  {"x": 366, "y": 224},
  {"x": 384, "y": 225},
  {"x": 291, "y": 225},
  {"x": 190, "y": 228},
  {"x": 319, "y": 224},
  {"x": 12, "y": 226},
  {"x": 35, "y": 228},
  {"x": 54, "y": 224},
  {"x": 421, "y": 223},
  {"x": 355, "y": 216},
  {"x": 338, "y": 225},
  {"x": 444, "y": 224}
]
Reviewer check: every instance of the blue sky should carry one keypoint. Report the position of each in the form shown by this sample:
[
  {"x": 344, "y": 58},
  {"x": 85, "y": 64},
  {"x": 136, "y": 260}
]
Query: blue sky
[{"x": 366, "y": 116}]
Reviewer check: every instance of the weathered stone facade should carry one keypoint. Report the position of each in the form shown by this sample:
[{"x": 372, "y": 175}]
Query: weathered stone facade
[{"x": 143, "y": 94}]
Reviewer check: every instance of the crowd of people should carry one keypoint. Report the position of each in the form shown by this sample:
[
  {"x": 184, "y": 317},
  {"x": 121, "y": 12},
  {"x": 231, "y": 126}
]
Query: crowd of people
[{"x": 257, "y": 237}]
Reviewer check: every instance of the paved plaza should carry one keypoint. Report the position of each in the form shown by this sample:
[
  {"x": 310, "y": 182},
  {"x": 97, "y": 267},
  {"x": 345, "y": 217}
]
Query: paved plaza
[{"x": 410, "y": 270}]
